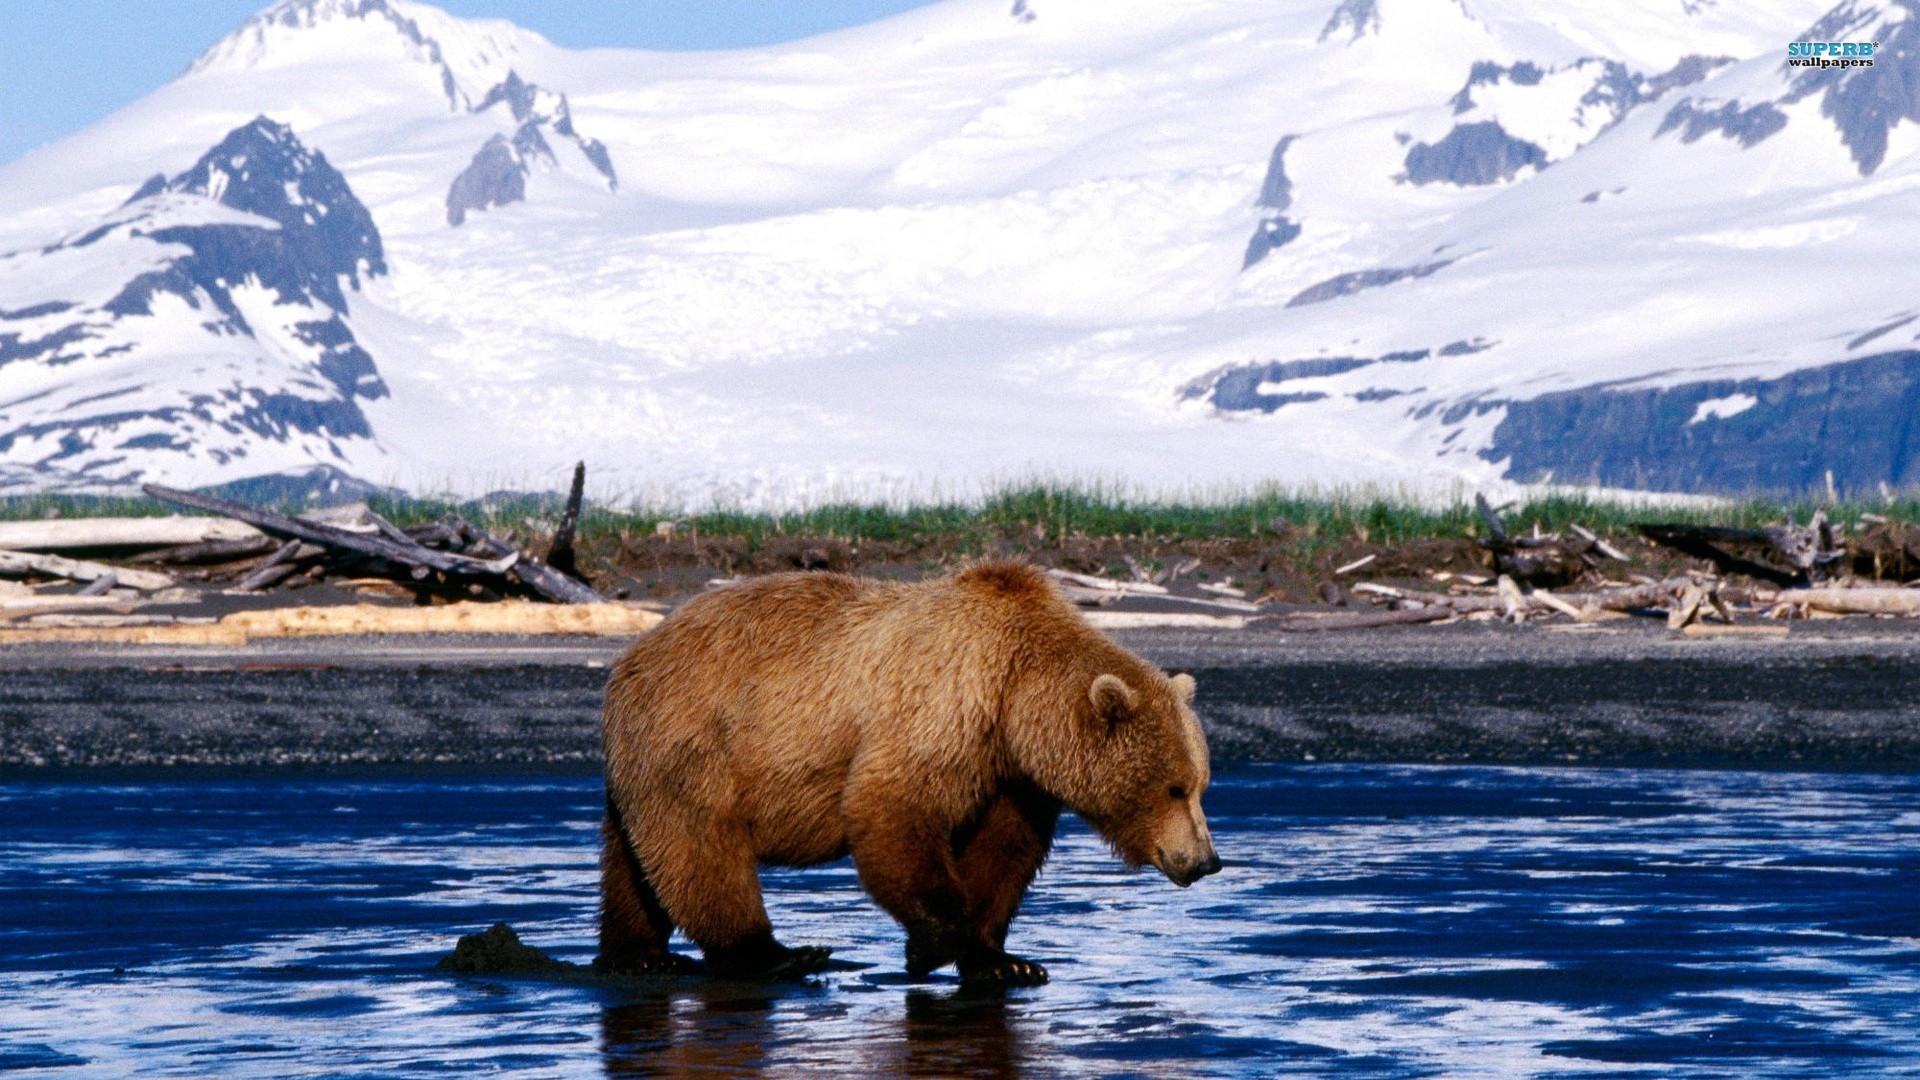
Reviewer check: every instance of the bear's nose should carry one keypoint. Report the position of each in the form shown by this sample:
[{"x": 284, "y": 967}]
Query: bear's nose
[{"x": 1186, "y": 874}]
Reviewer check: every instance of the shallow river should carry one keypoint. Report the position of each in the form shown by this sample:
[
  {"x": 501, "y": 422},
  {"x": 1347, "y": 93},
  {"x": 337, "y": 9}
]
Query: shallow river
[{"x": 1372, "y": 920}]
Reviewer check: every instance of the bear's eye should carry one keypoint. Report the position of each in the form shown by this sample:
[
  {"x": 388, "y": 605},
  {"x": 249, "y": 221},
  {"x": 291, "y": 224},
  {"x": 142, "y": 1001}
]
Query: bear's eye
[{"x": 1177, "y": 792}]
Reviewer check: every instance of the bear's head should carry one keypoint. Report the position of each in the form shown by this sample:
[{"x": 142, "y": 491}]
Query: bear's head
[{"x": 1141, "y": 770}]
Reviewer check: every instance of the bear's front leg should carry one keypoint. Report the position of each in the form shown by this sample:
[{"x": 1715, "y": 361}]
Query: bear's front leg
[
  {"x": 908, "y": 868},
  {"x": 997, "y": 860}
]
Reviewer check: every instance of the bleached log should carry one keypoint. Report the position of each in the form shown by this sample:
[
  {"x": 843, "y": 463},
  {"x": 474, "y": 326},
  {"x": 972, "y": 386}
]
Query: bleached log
[
  {"x": 507, "y": 617},
  {"x": 1089, "y": 581},
  {"x": 1469, "y": 603},
  {"x": 1686, "y": 606},
  {"x": 1600, "y": 545},
  {"x": 1512, "y": 599},
  {"x": 1855, "y": 601},
  {"x": 438, "y": 534},
  {"x": 1081, "y": 595},
  {"x": 1353, "y": 620},
  {"x": 1223, "y": 603},
  {"x": 84, "y": 534},
  {"x": 1145, "y": 620},
  {"x": 1635, "y": 596},
  {"x": 1103, "y": 597},
  {"x": 1354, "y": 565},
  {"x": 1172, "y": 572},
  {"x": 21, "y": 562},
  {"x": 109, "y": 621},
  {"x": 11, "y": 608},
  {"x": 1542, "y": 596}
]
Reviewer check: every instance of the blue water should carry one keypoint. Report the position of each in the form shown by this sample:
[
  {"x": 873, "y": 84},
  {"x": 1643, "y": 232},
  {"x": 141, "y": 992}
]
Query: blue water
[{"x": 1377, "y": 921}]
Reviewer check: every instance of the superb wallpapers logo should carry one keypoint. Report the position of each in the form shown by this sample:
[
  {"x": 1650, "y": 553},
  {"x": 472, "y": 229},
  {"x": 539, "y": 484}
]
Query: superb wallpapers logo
[{"x": 1825, "y": 54}]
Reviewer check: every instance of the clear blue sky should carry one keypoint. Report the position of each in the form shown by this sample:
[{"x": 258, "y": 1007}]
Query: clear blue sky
[{"x": 67, "y": 63}]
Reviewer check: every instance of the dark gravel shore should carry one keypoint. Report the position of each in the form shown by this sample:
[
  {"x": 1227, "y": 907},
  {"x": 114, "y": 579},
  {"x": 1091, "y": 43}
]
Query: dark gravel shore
[{"x": 1835, "y": 695}]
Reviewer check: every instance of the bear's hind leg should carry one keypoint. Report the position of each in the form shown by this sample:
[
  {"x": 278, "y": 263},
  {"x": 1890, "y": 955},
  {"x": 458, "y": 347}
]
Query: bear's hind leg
[
  {"x": 709, "y": 882},
  {"x": 634, "y": 927}
]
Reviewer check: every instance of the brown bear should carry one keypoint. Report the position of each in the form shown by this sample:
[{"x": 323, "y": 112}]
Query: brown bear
[{"x": 931, "y": 730}]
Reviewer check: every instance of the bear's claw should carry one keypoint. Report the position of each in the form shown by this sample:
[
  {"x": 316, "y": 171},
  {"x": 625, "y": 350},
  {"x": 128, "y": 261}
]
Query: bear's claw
[
  {"x": 1000, "y": 970},
  {"x": 802, "y": 960}
]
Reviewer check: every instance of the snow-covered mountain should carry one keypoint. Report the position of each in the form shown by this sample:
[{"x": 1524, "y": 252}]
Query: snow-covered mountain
[
  {"x": 1422, "y": 242},
  {"x": 203, "y": 320}
]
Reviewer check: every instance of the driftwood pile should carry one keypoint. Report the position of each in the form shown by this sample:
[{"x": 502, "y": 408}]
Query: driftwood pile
[
  {"x": 1799, "y": 571},
  {"x": 1542, "y": 559},
  {"x": 449, "y": 557},
  {"x": 252, "y": 549},
  {"x": 1784, "y": 555},
  {"x": 1577, "y": 577}
]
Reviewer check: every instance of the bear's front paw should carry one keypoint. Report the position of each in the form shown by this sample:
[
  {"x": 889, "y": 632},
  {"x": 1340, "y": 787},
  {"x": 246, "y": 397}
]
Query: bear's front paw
[{"x": 993, "y": 969}]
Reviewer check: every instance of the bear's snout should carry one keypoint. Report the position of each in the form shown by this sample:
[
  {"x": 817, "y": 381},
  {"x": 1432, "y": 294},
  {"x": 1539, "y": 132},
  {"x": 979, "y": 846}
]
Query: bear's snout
[{"x": 1184, "y": 872}]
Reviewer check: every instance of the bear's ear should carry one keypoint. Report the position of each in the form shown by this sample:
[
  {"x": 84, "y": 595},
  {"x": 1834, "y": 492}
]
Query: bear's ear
[
  {"x": 1112, "y": 698},
  {"x": 1183, "y": 687}
]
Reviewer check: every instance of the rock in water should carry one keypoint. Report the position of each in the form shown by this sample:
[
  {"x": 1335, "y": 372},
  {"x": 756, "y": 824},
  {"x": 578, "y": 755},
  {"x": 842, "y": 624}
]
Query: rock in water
[{"x": 499, "y": 951}]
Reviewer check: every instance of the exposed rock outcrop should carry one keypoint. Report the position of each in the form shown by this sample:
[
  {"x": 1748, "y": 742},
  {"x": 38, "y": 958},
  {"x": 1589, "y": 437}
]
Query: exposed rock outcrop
[
  {"x": 498, "y": 173},
  {"x": 1738, "y": 436}
]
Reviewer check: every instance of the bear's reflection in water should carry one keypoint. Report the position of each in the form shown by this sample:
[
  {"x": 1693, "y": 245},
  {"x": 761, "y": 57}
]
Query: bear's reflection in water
[
  {"x": 743, "y": 1030},
  {"x": 958, "y": 1034}
]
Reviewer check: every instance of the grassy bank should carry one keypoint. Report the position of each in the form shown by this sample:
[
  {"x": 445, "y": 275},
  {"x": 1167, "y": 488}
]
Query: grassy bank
[
  {"x": 1275, "y": 543},
  {"x": 1052, "y": 514}
]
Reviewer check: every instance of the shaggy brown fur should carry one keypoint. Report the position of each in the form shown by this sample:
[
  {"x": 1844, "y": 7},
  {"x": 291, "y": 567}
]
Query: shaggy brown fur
[{"x": 934, "y": 730}]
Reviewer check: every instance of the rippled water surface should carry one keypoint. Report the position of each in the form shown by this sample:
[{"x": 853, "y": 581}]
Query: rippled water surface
[{"x": 1377, "y": 921}]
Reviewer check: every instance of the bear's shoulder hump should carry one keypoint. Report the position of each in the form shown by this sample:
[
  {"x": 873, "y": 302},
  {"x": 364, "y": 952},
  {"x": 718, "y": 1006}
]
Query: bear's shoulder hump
[{"x": 1008, "y": 579}]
